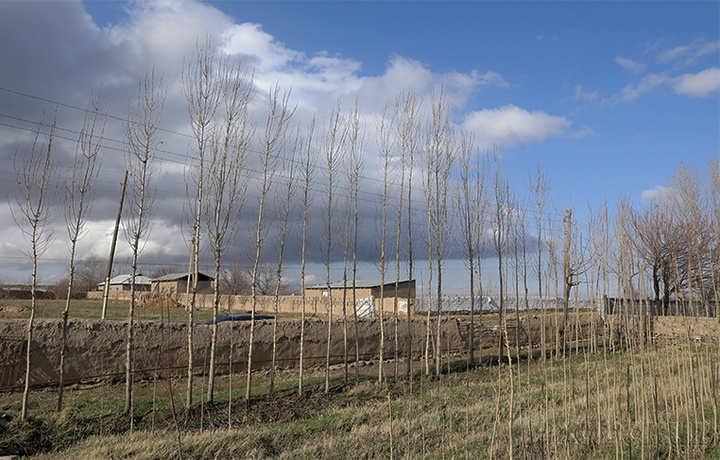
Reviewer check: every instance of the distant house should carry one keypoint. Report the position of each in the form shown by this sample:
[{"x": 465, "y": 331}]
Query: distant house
[
  {"x": 122, "y": 283},
  {"x": 176, "y": 283},
  {"x": 367, "y": 295}
]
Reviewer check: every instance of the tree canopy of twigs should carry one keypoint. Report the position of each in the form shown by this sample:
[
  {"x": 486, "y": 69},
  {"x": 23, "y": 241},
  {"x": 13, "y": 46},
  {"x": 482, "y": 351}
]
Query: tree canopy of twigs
[
  {"x": 141, "y": 125},
  {"x": 34, "y": 196}
]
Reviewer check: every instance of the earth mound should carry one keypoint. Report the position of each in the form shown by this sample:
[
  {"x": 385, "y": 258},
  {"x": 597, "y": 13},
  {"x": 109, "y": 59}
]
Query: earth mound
[{"x": 16, "y": 311}]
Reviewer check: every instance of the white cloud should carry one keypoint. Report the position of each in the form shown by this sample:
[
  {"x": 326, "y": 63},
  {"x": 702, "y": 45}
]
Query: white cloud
[
  {"x": 701, "y": 84},
  {"x": 402, "y": 73},
  {"x": 552, "y": 37},
  {"x": 656, "y": 195},
  {"x": 688, "y": 54},
  {"x": 257, "y": 47},
  {"x": 582, "y": 95},
  {"x": 311, "y": 280},
  {"x": 474, "y": 79},
  {"x": 511, "y": 125},
  {"x": 646, "y": 85},
  {"x": 579, "y": 134},
  {"x": 630, "y": 65},
  {"x": 162, "y": 32}
]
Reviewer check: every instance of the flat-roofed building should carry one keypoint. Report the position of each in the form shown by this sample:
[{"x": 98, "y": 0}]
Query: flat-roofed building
[
  {"x": 368, "y": 295},
  {"x": 176, "y": 283}
]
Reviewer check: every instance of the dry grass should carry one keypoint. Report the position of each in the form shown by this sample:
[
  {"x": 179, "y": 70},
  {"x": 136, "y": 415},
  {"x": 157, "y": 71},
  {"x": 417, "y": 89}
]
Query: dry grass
[{"x": 632, "y": 404}]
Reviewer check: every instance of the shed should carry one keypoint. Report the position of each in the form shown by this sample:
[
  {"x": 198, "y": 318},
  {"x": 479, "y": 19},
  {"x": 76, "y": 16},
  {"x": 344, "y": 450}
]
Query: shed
[
  {"x": 368, "y": 295},
  {"x": 176, "y": 283},
  {"x": 122, "y": 283}
]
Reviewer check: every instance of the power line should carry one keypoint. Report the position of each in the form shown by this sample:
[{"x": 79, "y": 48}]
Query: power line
[
  {"x": 189, "y": 162},
  {"x": 86, "y": 110}
]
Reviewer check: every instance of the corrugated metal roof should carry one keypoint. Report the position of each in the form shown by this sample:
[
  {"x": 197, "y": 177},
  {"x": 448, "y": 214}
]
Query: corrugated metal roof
[{"x": 125, "y": 279}]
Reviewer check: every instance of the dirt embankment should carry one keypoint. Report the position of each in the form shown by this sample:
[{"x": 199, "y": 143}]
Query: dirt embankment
[{"x": 97, "y": 348}]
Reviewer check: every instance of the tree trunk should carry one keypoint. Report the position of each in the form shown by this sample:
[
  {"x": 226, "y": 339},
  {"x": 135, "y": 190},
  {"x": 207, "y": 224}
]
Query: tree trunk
[
  {"x": 567, "y": 277},
  {"x": 63, "y": 333},
  {"x": 29, "y": 333},
  {"x": 214, "y": 337}
]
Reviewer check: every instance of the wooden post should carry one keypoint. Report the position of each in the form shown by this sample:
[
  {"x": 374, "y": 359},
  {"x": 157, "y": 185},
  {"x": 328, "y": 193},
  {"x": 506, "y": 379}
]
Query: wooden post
[{"x": 106, "y": 288}]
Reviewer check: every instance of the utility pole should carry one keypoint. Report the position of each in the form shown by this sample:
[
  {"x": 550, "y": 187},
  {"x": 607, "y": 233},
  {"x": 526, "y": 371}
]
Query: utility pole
[{"x": 106, "y": 288}]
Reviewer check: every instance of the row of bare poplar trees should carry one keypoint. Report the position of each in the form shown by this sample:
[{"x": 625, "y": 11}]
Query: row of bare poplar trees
[{"x": 433, "y": 185}]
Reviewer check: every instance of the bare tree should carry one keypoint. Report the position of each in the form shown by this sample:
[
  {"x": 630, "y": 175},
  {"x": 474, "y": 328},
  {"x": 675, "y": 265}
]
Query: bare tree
[
  {"x": 353, "y": 166},
  {"x": 500, "y": 234},
  {"x": 234, "y": 280},
  {"x": 578, "y": 258},
  {"x": 345, "y": 240},
  {"x": 77, "y": 201},
  {"x": 202, "y": 90},
  {"x": 470, "y": 206},
  {"x": 384, "y": 143},
  {"x": 286, "y": 200},
  {"x": 624, "y": 258},
  {"x": 408, "y": 122},
  {"x": 523, "y": 234},
  {"x": 714, "y": 188},
  {"x": 688, "y": 201},
  {"x": 141, "y": 125},
  {"x": 307, "y": 173},
  {"x": 517, "y": 236},
  {"x": 272, "y": 142},
  {"x": 225, "y": 181},
  {"x": 161, "y": 270},
  {"x": 88, "y": 273},
  {"x": 400, "y": 169},
  {"x": 483, "y": 203},
  {"x": 265, "y": 278},
  {"x": 332, "y": 145},
  {"x": 34, "y": 196},
  {"x": 439, "y": 156},
  {"x": 658, "y": 239},
  {"x": 539, "y": 187}
]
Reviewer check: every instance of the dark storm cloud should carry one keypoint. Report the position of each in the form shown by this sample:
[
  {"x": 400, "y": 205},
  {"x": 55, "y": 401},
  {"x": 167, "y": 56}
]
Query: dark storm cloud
[{"x": 54, "y": 55}]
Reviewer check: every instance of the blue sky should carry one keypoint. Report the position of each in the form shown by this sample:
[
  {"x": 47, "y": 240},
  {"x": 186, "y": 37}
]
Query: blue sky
[
  {"x": 609, "y": 97},
  {"x": 591, "y": 63}
]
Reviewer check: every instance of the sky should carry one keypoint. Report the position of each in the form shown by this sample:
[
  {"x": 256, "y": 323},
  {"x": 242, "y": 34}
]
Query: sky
[{"x": 607, "y": 97}]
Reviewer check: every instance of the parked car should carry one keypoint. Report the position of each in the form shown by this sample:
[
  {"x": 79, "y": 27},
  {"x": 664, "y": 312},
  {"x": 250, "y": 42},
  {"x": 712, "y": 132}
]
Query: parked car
[{"x": 237, "y": 317}]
